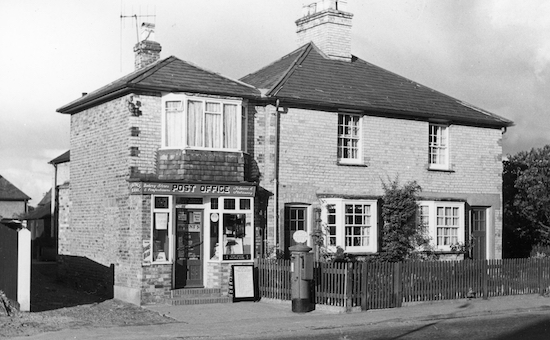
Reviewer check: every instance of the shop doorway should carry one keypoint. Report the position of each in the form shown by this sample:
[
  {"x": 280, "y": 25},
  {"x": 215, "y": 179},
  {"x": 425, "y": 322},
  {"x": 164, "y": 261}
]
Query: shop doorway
[
  {"x": 479, "y": 233},
  {"x": 188, "y": 266}
]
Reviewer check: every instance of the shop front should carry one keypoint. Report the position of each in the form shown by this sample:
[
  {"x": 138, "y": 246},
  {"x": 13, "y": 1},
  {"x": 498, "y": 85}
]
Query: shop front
[{"x": 198, "y": 230}]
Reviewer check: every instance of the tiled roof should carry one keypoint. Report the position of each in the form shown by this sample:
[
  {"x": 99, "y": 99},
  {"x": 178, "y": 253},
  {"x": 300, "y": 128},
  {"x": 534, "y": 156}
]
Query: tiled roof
[
  {"x": 9, "y": 192},
  {"x": 307, "y": 77},
  {"x": 167, "y": 75},
  {"x": 63, "y": 158},
  {"x": 38, "y": 213}
]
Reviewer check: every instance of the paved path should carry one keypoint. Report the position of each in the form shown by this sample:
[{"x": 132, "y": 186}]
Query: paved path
[{"x": 258, "y": 319}]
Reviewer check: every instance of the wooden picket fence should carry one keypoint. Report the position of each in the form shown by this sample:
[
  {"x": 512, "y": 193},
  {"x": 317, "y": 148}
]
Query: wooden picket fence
[{"x": 386, "y": 285}]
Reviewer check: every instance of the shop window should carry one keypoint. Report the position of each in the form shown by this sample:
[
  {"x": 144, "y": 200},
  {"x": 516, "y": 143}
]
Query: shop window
[
  {"x": 214, "y": 203},
  {"x": 188, "y": 200},
  {"x": 229, "y": 203},
  {"x": 237, "y": 237},
  {"x": 231, "y": 229},
  {"x": 244, "y": 204},
  {"x": 161, "y": 229}
]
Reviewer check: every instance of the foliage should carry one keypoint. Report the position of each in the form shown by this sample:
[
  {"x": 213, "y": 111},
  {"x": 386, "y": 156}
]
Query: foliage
[
  {"x": 274, "y": 252},
  {"x": 526, "y": 201},
  {"x": 403, "y": 237},
  {"x": 540, "y": 252}
]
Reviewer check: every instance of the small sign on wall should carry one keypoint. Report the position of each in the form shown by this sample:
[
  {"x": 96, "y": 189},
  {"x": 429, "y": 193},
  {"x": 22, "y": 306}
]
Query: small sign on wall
[{"x": 244, "y": 283}]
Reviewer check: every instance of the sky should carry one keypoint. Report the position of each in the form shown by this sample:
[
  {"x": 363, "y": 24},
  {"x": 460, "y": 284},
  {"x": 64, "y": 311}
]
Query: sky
[{"x": 494, "y": 54}]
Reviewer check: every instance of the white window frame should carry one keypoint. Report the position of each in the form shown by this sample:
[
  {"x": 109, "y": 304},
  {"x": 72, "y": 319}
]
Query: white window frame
[
  {"x": 340, "y": 219},
  {"x": 221, "y": 211},
  {"x": 441, "y": 146},
  {"x": 242, "y": 123},
  {"x": 170, "y": 230},
  {"x": 358, "y": 136},
  {"x": 432, "y": 208}
]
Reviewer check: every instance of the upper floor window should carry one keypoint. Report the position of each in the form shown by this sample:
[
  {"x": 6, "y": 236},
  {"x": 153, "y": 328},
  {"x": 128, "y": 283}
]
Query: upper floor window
[
  {"x": 203, "y": 123},
  {"x": 439, "y": 147},
  {"x": 349, "y": 138}
]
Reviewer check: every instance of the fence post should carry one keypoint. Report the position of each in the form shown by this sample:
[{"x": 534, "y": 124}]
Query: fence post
[
  {"x": 397, "y": 285},
  {"x": 348, "y": 285},
  {"x": 539, "y": 276},
  {"x": 364, "y": 286},
  {"x": 485, "y": 277}
]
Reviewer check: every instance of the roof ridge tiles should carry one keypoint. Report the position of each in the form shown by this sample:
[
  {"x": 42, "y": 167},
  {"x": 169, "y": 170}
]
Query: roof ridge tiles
[{"x": 288, "y": 73}]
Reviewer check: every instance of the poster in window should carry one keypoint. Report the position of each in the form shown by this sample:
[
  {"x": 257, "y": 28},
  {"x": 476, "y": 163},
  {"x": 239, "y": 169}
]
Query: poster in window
[
  {"x": 161, "y": 221},
  {"x": 146, "y": 252},
  {"x": 197, "y": 217},
  {"x": 244, "y": 283}
]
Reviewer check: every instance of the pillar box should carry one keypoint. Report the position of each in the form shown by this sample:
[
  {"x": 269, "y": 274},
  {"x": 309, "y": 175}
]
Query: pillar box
[{"x": 301, "y": 268}]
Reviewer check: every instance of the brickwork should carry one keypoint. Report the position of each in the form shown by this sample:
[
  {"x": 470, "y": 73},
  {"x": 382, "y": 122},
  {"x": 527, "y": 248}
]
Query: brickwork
[
  {"x": 146, "y": 52},
  {"x": 63, "y": 216},
  {"x": 392, "y": 148},
  {"x": 148, "y": 140},
  {"x": 99, "y": 228},
  {"x": 218, "y": 275},
  {"x": 329, "y": 30}
]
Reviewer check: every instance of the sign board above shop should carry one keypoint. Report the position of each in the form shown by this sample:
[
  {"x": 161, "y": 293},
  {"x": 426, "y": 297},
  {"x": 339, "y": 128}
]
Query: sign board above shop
[{"x": 192, "y": 189}]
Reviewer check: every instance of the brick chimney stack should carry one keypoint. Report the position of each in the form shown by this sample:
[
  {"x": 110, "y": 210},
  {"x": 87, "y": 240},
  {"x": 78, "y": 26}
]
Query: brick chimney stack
[
  {"x": 147, "y": 51},
  {"x": 328, "y": 26}
]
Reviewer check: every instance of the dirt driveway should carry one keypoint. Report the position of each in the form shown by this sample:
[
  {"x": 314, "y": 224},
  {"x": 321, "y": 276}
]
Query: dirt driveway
[{"x": 55, "y": 306}]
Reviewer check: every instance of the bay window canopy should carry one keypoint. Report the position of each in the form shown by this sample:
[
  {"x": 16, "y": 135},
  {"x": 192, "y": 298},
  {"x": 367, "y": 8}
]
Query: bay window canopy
[{"x": 203, "y": 122}]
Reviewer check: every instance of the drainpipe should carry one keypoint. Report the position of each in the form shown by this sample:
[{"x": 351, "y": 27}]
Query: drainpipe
[
  {"x": 53, "y": 209},
  {"x": 276, "y": 175}
]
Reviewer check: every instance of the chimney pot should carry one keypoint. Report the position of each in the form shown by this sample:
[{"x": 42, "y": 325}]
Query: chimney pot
[
  {"x": 328, "y": 26},
  {"x": 147, "y": 51}
]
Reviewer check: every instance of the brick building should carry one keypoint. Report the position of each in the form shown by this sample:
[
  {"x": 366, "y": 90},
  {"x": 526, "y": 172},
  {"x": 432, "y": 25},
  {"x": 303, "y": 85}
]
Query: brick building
[{"x": 178, "y": 173}]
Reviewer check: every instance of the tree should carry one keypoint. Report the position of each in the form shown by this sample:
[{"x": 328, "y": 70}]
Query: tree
[
  {"x": 403, "y": 237},
  {"x": 526, "y": 201}
]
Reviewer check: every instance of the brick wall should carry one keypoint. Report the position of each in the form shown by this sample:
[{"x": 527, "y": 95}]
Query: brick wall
[
  {"x": 329, "y": 30},
  {"x": 100, "y": 229},
  {"x": 391, "y": 148}
]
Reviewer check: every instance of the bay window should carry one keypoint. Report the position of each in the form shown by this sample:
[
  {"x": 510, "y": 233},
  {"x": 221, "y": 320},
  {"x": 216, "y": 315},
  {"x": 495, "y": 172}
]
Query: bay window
[
  {"x": 445, "y": 222},
  {"x": 203, "y": 123},
  {"x": 351, "y": 225}
]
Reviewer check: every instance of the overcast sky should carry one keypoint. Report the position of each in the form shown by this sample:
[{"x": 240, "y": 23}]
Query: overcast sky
[{"x": 494, "y": 54}]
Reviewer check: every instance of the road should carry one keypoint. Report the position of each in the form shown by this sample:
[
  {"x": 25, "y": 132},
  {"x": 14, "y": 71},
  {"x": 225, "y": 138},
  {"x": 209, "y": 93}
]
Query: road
[{"x": 523, "y": 326}]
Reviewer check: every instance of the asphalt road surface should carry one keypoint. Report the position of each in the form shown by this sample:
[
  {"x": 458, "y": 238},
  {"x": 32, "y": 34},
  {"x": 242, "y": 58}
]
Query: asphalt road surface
[{"x": 523, "y": 326}]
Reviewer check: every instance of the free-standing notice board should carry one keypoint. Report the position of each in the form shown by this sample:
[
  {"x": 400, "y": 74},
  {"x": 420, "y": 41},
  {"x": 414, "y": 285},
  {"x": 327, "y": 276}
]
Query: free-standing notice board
[{"x": 244, "y": 283}]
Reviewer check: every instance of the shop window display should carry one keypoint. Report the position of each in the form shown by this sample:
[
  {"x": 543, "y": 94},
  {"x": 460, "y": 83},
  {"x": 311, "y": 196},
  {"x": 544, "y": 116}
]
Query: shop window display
[
  {"x": 231, "y": 233},
  {"x": 161, "y": 229}
]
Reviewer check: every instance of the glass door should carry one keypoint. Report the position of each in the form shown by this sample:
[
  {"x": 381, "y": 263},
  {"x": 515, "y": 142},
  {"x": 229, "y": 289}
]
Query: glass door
[{"x": 189, "y": 248}]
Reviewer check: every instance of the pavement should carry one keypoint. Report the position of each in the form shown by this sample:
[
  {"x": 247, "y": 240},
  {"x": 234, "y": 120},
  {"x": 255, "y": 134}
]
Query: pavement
[{"x": 268, "y": 319}]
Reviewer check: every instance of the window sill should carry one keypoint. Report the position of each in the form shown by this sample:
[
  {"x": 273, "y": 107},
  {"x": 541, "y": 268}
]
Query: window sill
[
  {"x": 440, "y": 170},
  {"x": 361, "y": 165}
]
